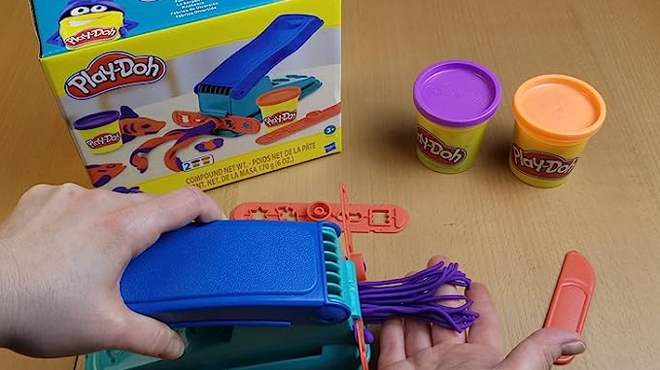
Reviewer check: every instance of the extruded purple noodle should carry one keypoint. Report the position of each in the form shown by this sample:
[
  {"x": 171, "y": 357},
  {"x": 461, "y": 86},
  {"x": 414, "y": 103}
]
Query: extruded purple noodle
[{"x": 416, "y": 297}]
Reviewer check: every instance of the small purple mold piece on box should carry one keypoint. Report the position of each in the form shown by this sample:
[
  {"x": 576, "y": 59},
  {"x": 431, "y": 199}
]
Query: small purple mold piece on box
[
  {"x": 124, "y": 190},
  {"x": 209, "y": 146}
]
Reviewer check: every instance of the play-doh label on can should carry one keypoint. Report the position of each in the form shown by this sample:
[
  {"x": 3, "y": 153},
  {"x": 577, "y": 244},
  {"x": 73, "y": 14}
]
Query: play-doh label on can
[
  {"x": 436, "y": 150},
  {"x": 455, "y": 99},
  {"x": 556, "y": 115},
  {"x": 279, "y": 107},
  {"x": 100, "y": 132}
]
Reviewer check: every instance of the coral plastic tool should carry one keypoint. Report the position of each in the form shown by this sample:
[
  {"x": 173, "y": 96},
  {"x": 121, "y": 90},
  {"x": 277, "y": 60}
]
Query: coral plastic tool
[
  {"x": 237, "y": 125},
  {"x": 360, "y": 271},
  {"x": 572, "y": 297},
  {"x": 310, "y": 120},
  {"x": 380, "y": 219},
  {"x": 358, "y": 259}
]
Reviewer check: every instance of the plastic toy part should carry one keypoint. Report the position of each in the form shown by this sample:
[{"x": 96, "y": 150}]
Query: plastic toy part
[
  {"x": 360, "y": 271},
  {"x": 361, "y": 275},
  {"x": 362, "y": 344},
  {"x": 358, "y": 259},
  {"x": 381, "y": 219},
  {"x": 415, "y": 297},
  {"x": 310, "y": 120},
  {"x": 247, "y": 266},
  {"x": 572, "y": 297},
  {"x": 248, "y": 348},
  {"x": 189, "y": 277}
]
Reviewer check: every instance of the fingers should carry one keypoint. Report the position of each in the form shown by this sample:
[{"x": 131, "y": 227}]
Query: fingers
[
  {"x": 150, "y": 219},
  {"x": 148, "y": 337},
  {"x": 486, "y": 330},
  {"x": 441, "y": 335},
  {"x": 392, "y": 343},
  {"x": 542, "y": 349},
  {"x": 417, "y": 334}
]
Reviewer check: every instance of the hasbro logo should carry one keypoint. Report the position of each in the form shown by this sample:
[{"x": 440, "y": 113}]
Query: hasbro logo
[{"x": 330, "y": 147}]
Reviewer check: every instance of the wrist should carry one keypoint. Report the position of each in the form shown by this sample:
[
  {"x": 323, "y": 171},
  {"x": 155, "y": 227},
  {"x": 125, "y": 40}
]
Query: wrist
[{"x": 8, "y": 296}]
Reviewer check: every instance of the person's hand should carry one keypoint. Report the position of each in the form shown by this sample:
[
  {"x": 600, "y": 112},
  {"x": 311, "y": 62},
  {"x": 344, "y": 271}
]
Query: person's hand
[
  {"x": 413, "y": 345},
  {"x": 63, "y": 252}
]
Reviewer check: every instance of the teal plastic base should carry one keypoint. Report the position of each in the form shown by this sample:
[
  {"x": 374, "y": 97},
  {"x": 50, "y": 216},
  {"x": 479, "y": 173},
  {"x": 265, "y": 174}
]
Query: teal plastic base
[{"x": 246, "y": 348}]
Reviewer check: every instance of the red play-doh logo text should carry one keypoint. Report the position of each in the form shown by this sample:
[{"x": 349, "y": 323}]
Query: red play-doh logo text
[
  {"x": 280, "y": 118},
  {"x": 541, "y": 164},
  {"x": 90, "y": 36},
  {"x": 113, "y": 71},
  {"x": 436, "y": 150},
  {"x": 104, "y": 140}
]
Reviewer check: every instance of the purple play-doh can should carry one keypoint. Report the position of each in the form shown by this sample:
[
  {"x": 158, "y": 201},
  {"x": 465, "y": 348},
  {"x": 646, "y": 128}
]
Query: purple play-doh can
[{"x": 455, "y": 99}]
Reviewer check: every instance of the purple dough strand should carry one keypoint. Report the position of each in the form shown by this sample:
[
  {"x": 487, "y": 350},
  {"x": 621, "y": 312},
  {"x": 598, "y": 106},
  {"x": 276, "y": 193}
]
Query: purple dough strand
[{"x": 415, "y": 297}]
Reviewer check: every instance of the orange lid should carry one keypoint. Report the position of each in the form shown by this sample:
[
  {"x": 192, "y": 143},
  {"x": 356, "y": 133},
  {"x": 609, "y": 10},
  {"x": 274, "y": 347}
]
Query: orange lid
[
  {"x": 559, "y": 107},
  {"x": 279, "y": 96}
]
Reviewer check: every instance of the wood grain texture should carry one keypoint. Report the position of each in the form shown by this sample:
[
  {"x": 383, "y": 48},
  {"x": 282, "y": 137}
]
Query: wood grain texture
[{"x": 505, "y": 234}]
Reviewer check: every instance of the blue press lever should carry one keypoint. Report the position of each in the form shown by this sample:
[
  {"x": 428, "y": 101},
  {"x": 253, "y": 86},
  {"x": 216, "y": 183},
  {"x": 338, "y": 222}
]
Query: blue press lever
[{"x": 227, "y": 273}]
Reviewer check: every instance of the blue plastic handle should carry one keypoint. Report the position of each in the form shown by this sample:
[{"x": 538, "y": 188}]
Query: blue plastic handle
[{"x": 236, "y": 273}]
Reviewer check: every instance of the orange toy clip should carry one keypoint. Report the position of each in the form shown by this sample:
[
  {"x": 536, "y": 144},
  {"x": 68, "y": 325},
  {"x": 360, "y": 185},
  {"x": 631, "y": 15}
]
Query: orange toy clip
[
  {"x": 310, "y": 120},
  {"x": 360, "y": 270},
  {"x": 572, "y": 297},
  {"x": 362, "y": 344},
  {"x": 358, "y": 259}
]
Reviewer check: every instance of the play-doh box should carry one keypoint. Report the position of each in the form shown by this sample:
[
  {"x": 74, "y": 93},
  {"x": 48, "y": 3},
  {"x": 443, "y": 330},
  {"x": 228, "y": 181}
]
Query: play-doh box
[{"x": 190, "y": 93}]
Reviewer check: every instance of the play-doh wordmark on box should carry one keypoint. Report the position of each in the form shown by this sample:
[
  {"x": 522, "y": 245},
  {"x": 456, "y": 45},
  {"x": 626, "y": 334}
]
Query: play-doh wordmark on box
[{"x": 159, "y": 95}]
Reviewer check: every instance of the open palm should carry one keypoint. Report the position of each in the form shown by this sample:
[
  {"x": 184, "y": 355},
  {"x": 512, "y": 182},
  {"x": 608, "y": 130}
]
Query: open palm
[{"x": 414, "y": 345}]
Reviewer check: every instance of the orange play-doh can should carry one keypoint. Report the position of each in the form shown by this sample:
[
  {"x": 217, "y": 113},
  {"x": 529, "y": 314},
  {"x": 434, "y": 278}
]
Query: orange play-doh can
[
  {"x": 279, "y": 107},
  {"x": 556, "y": 115}
]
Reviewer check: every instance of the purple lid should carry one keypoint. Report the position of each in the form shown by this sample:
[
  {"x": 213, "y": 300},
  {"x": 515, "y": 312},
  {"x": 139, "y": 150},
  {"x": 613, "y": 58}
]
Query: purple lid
[
  {"x": 96, "y": 120},
  {"x": 457, "y": 93}
]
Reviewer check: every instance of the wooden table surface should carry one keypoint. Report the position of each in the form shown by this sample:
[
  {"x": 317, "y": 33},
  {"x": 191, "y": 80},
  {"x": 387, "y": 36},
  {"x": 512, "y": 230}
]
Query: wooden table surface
[{"x": 506, "y": 234}]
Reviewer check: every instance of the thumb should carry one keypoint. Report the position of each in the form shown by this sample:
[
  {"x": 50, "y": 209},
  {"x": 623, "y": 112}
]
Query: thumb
[
  {"x": 145, "y": 336},
  {"x": 542, "y": 349}
]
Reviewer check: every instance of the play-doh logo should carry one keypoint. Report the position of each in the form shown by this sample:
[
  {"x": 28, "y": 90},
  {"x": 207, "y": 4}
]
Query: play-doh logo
[
  {"x": 103, "y": 140},
  {"x": 436, "y": 150},
  {"x": 113, "y": 71},
  {"x": 91, "y": 36},
  {"x": 541, "y": 164},
  {"x": 280, "y": 118}
]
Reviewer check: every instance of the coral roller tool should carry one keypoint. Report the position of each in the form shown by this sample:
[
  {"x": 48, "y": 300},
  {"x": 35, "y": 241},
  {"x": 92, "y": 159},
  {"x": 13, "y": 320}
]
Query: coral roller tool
[
  {"x": 572, "y": 298},
  {"x": 310, "y": 120}
]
